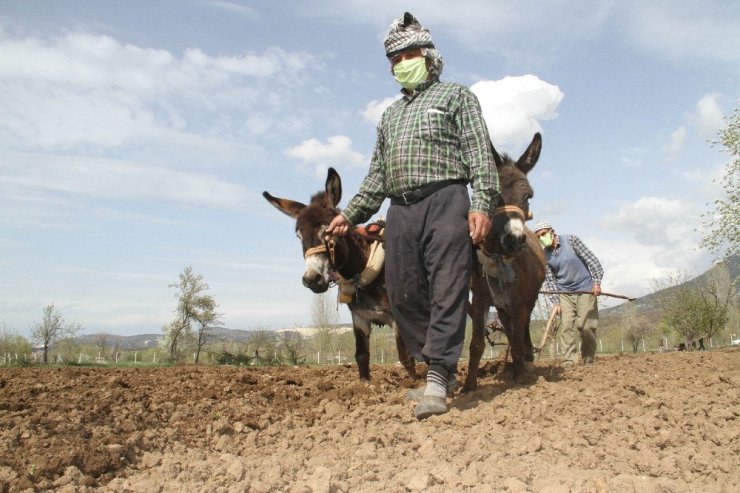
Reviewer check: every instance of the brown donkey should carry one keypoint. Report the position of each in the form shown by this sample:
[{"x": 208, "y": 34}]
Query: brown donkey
[
  {"x": 346, "y": 259},
  {"x": 511, "y": 266}
]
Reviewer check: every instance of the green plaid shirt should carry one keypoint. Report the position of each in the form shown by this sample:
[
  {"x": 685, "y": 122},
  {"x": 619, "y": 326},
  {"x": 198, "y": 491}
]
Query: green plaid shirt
[{"x": 437, "y": 133}]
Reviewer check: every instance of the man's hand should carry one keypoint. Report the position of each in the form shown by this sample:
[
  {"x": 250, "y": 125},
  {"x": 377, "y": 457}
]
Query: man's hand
[
  {"x": 338, "y": 226},
  {"x": 479, "y": 226},
  {"x": 597, "y": 289}
]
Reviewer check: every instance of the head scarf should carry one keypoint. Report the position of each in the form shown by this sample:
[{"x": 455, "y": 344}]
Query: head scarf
[
  {"x": 406, "y": 33},
  {"x": 542, "y": 225}
]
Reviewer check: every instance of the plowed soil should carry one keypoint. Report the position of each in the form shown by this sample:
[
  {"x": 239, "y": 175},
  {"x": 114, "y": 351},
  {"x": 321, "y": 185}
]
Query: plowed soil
[{"x": 647, "y": 423}]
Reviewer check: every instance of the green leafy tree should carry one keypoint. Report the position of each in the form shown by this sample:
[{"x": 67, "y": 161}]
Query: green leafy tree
[
  {"x": 12, "y": 345},
  {"x": 293, "y": 345},
  {"x": 722, "y": 224},
  {"x": 702, "y": 309},
  {"x": 193, "y": 306},
  {"x": 52, "y": 329},
  {"x": 207, "y": 319}
]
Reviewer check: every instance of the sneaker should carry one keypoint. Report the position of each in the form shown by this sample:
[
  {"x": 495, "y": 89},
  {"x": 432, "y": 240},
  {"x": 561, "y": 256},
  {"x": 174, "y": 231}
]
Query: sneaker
[
  {"x": 568, "y": 363},
  {"x": 417, "y": 393},
  {"x": 588, "y": 360},
  {"x": 430, "y": 405}
]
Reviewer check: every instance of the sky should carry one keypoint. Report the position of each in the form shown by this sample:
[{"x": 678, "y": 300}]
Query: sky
[{"x": 136, "y": 138}]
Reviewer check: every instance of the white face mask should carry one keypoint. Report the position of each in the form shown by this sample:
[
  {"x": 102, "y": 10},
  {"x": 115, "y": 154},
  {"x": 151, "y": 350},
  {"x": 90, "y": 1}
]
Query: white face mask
[{"x": 410, "y": 73}]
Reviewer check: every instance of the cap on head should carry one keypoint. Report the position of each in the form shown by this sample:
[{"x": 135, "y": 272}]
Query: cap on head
[
  {"x": 542, "y": 225},
  {"x": 406, "y": 33}
]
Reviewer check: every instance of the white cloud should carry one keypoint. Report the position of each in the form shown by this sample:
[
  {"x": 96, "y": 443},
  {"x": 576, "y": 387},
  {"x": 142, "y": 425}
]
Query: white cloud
[
  {"x": 514, "y": 106},
  {"x": 113, "y": 179},
  {"x": 675, "y": 144},
  {"x": 691, "y": 29},
  {"x": 654, "y": 221},
  {"x": 630, "y": 267},
  {"x": 633, "y": 157},
  {"x": 231, "y": 7},
  {"x": 375, "y": 108},
  {"x": 79, "y": 90},
  {"x": 708, "y": 117},
  {"x": 337, "y": 151}
]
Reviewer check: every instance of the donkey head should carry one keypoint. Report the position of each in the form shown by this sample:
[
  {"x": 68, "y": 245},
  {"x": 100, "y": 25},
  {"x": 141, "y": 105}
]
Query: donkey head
[
  {"x": 507, "y": 234},
  {"x": 311, "y": 222}
]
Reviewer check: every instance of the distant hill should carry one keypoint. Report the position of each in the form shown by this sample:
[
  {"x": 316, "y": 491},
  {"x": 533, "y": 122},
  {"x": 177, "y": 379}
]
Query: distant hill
[
  {"x": 649, "y": 303},
  {"x": 146, "y": 341}
]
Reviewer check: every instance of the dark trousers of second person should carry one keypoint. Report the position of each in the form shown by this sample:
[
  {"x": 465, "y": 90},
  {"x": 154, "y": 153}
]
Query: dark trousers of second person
[{"x": 427, "y": 271}]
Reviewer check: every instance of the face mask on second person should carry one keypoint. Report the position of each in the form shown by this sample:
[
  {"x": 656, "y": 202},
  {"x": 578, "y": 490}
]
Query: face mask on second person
[{"x": 546, "y": 239}]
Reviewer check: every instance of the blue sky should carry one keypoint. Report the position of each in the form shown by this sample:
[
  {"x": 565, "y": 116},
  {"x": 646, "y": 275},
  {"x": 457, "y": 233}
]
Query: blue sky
[{"x": 136, "y": 138}]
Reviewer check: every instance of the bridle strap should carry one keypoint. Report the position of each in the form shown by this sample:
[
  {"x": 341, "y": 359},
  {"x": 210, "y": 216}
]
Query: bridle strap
[
  {"x": 315, "y": 251},
  {"x": 327, "y": 247},
  {"x": 512, "y": 209}
]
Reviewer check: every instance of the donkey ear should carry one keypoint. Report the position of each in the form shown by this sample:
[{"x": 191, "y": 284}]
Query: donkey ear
[
  {"x": 496, "y": 156},
  {"x": 333, "y": 188},
  {"x": 531, "y": 155},
  {"x": 286, "y": 206}
]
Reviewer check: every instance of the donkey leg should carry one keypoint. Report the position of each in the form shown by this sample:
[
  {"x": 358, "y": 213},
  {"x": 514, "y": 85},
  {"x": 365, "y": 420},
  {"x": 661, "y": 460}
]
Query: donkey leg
[
  {"x": 528, "y": 346},
  {"x": 518, "y": 328},
  {"x": 362, "y": 350},
  {"x": 478, "y": 309},
  {"x": 407, "y": 361}
]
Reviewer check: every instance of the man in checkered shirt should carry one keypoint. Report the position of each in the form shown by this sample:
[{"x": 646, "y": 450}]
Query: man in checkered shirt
[{"x": 431, "y": 143}]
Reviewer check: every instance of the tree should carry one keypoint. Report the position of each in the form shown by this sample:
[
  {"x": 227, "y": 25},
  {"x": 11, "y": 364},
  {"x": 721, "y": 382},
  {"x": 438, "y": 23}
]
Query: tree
[
  {"x": 102, "y": 341},
  {"x": 11, "y": 345},
  {"x": 262, "y": 343},
  {"x": 52, "y": 329},
  {"x": 716, "y": 300},
  {"x": 722, "y": 224},
  {"x": 294, "y": 346},
  {"x": 192, "y": 306},
  {"x": 699, "y": 309},
  {"x": 324, "y": 315},
  {"x": 636, "y": 328},
  {"x": 208, "y": 319}
]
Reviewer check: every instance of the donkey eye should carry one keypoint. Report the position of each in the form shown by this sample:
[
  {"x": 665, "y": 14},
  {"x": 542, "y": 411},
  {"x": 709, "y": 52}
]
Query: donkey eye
[{"x": 298, "y": 235}]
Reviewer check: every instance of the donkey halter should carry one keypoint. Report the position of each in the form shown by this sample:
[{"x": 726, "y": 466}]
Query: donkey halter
[
  {"x": 512, "y": 209},
  {"x": 327, "y": 247}
]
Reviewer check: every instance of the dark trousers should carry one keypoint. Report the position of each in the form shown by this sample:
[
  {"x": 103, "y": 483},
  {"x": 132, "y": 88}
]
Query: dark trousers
[{"x": 427, "y": 273}]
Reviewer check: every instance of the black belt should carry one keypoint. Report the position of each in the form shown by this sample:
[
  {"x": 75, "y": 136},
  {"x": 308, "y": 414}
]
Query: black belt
[{"x": 414, "y": 196}]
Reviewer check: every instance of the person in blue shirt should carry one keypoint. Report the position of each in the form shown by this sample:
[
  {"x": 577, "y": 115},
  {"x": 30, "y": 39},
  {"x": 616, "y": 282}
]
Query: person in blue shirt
[{"x": 573, "y": 270}]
